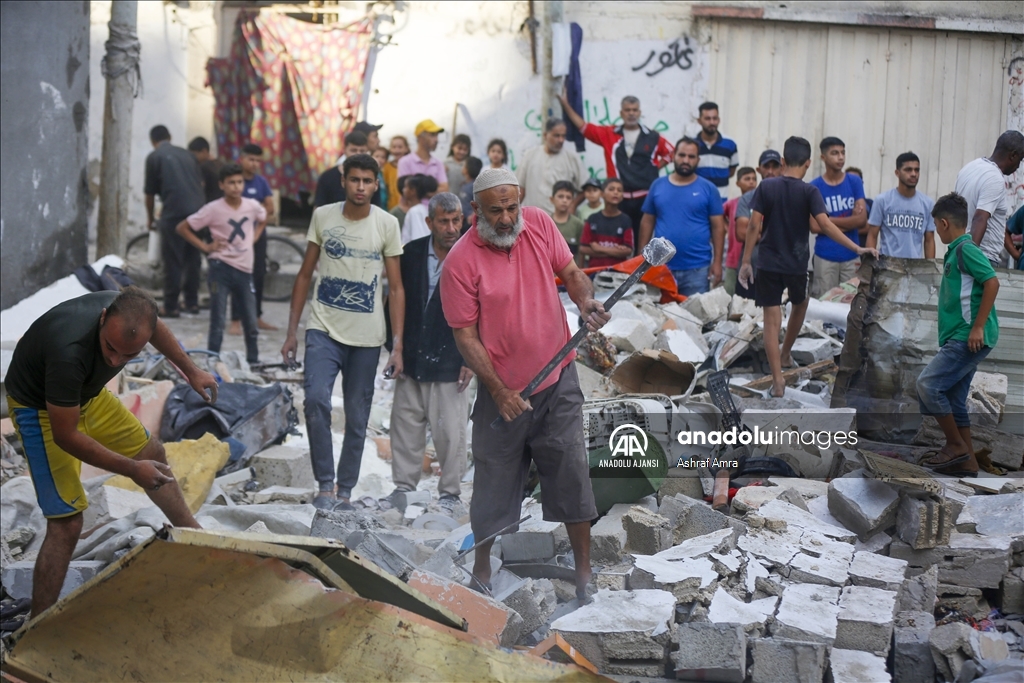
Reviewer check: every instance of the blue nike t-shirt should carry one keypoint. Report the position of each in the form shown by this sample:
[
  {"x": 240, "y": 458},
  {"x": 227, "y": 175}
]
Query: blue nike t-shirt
[
  {"x": 839, "y": 201},
  {"x": 683, "y": 216},
  {"x": 257, "y": 188}
]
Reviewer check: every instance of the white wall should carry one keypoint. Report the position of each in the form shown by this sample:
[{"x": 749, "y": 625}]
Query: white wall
[
  {"x": 167, "y": 34},
  {"x": 474, "y": 54}
]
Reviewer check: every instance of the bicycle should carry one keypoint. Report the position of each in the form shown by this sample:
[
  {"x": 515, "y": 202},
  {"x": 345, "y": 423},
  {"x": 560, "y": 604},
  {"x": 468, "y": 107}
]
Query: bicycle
[{"x": 284, "y": 258}]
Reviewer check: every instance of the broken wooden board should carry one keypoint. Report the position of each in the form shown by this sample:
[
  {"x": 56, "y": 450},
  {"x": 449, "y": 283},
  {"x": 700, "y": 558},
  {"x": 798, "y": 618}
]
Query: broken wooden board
[
  {"x": 791, "y": 377},
  {"x": 186, "y": 608}
]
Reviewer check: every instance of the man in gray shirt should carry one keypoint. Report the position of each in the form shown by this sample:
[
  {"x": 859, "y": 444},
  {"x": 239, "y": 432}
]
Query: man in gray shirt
[
  {"x": 174, "y": 174},
  {"x": 903, "y": 215}
]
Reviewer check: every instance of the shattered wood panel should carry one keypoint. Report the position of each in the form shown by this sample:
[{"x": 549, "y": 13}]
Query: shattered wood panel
[
  {"x": 181, "y": 611},
  {"x": 892, "y": 334}
]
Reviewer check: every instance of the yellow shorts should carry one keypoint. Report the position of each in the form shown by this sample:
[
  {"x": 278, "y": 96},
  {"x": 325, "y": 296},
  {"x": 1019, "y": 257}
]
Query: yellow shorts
[{"x": 56, "y": 474}]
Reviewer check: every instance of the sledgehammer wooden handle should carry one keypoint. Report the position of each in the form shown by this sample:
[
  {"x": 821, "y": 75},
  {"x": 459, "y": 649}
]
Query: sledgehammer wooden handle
[{"x": 657, "y": 252}]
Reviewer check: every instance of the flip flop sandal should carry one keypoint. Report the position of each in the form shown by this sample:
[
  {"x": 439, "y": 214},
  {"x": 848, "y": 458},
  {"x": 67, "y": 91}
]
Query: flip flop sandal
[
  {"x": 949, "y": 463},
  {"x": 957, "y": 473}
]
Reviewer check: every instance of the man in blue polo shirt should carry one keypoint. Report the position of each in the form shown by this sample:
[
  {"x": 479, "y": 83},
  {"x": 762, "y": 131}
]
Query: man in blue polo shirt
[
  {"x": 686, "y": 210},
  {"x": 718, "y": 155},
  {"x": 844, "y": 198}
]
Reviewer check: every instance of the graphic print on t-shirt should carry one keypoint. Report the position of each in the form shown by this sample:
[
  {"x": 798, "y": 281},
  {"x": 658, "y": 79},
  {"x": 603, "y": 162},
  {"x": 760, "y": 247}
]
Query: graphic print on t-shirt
[
  {"x": 236, "y": 228},
  {"x": 335, "y": 246},
  {"x": 347, "y": 295}
]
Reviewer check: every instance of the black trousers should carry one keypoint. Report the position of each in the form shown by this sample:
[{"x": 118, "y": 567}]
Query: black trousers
[
  {"x": 181, "y": 266},
  {"x": 259, "y": 271},
  {"x": 633, "y": 209}
]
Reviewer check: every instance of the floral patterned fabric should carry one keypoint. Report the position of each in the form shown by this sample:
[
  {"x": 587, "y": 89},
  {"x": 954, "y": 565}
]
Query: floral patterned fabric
[{"x": 293, "y": 88}]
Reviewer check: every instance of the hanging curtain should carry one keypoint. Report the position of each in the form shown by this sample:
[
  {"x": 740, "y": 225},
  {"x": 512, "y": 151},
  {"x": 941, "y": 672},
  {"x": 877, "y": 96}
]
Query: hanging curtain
[{"x": 293, "y": 88}]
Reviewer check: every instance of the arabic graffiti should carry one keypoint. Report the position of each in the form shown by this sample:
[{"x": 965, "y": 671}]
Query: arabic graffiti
[{"x": 674, "y": 55}]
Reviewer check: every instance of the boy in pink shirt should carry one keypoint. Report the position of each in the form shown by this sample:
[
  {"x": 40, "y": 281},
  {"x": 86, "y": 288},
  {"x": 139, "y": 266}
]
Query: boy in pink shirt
[
  {"x": 235, "y": 223},
  {"x": 746, "y": 180}
]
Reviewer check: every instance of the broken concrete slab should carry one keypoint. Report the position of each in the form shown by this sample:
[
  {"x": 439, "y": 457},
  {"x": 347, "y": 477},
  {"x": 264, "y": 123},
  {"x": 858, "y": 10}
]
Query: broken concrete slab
[
  {"x": 488, "y": 619},
  {"x": 855, "y": 666},
  {"x": 750, "y": 498},
  {"x": 689, "y": 518},
  {"x": 647, "y": 533},
  {"x": 808, "y": 612},
  {"x": 683, "y": 578},
  {"x": 819, "y": 508},
  {"x": 110, "y": 503},
  {"x": 534, "y": 601},
  {"x": 721, "y": 541},
  {"x": 725, "y": 609},
  {"x": 608, "y": 536},
  {"x": 866, "y": 619},
  {"x": 631, "y": 623},
  {"x": 709, "y": 307},
  {"x": 807, "y": 350},
  {"x": 628, "y": 334},
  {"x": 808, "y": 488},
  {"x": 803, "y": 519},
  {"x": 17, "y": 576},
  {"x": 284, "y": 494},
  {"x": 340, "y": 524},
  {"x": 776, "y": 549},
  {"x": 710, "y": 652},
  {"x": 878, "y": 571},
  {"x": 283, "y": 466},
  {"x": 681, "y": 345},
  {"x": 952, "y": 647},
  {"x": 919, "y": 592},
  {"x": 969, "y": 560},
  {"x": 923, "y": 522},
  {"x": 827, "y": 570},
  {"x": 795, "y": 661},
  {"x": 751, "y": 572},
  {"x": 1011, "y": 593},
  {"x": 864, "y": 506},
  {"x": 879, "y": 544},
  {"x": 912, "y": 656},
  {"x": 999, "y": 515}
]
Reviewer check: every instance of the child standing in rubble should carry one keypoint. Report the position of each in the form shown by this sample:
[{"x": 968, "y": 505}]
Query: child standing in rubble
[{"x": 968, "y": 331}]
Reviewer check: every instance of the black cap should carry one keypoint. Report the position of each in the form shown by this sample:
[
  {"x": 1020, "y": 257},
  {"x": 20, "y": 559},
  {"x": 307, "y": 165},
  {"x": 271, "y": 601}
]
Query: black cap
[
  {"x": 364, "y": 127},
  {"x": 591, "y": 182},
  {"x": 769, "y": 155}
]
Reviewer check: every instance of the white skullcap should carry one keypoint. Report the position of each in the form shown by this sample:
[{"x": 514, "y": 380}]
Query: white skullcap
[{"x": 492, "y": 177}]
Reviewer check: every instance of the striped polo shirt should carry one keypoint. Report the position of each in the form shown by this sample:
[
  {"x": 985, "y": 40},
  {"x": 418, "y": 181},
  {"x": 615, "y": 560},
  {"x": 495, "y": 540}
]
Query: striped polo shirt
[{"x": 716, "y": 160}]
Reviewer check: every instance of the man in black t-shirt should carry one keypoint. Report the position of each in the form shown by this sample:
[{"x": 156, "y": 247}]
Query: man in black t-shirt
[
  {"x": 781, "y": 209},
  {"x": 65, "y": 416}
]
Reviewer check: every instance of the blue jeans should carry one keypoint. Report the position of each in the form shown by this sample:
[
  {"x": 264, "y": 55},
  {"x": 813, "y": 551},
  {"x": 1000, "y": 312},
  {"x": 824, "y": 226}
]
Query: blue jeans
[
  {"x": 944, "y": 385},
  {"x": 692, "y": 281},
  {"x": 325, "y": 358},
  {"x": 227, "y": 281}
]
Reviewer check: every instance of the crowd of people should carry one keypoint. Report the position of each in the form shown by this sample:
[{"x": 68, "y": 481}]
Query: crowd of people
[{"x": 452, "y": 264}]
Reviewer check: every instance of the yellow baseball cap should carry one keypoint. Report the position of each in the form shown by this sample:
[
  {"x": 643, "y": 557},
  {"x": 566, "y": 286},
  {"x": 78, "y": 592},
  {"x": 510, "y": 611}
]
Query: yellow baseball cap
[{"x": 428, "y": 126}]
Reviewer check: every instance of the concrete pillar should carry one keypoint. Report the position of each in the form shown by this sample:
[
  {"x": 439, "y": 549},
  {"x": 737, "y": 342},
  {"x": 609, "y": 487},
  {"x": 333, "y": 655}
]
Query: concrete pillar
[{"x": 551, "y": 87}]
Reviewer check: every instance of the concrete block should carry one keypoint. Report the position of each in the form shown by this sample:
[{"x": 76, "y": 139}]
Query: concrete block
[
  {"x": 739, "y": 306},
  {"x": 919, "y": 592},
  {"x": 923, "y": 523},
  {"x": 110, "y": 503},
  {"x": 807, "y": 350},
  {"x": 608, "y": 536},
  {"x": 17, "y": 576},
  {"x": 952, "y": 647},
  {"x": 1011, "y": 595},
  {"x": 283, "y": 466},
  {"x": 808, "y": 488},
  {"x": 527, "y": 546},
  {"x": 827, "y": 570},
  {"x": 794, "y": 661},
  {"x": 710, "y": 652},
  {"x": 999, "y": 515},
  {"x": 680, "y": 481},
  {"x": 591, "y": 381},
  {"x": 750, "y": 498},
  {"x": 725, "y": 609},
  {"x": 534, "y": 601},
  {"x": 775, "y": 549},
  {"x": 969, "y": 560},
  {"x": 878, "y": 544},
  {"x": 866, "y": 619},
  {"x": 341, "y": 524},
  {"x": 681, "y": 345},
  {"x": 621, "y": 625},
  {"x": 284, "y": 494},
  {"x": 802, "y": 519},
  {"x": 710, "y": 306},
  {"x": 794, "y": 498},
  {"x": 683, "y": 578},
  {"x": 878, "y": 571},
  {"x": 864, "y": 506},
  {"x": 647, "y": 532},
  {"x": 991, "y": 383},
  {"x": 690, "y": 518},
  {"x": 808, "y": 612},
  {"x": 856, "y": 666},
  {"x": 488, "y": 619},
  {"x": 912, "y": 656},
  {"x": 628, "y": 334}
]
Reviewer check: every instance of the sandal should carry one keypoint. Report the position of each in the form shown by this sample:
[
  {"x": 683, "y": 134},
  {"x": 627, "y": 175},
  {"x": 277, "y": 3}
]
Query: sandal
[
  {"x": 957, "y": 473},
  {"x": 959, "y": 460}
]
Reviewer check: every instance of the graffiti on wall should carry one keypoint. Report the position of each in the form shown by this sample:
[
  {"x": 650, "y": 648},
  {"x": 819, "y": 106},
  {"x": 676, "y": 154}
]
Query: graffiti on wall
[
  {"x": 675, "y": 54},
  {"x": 599, "y": 114}
]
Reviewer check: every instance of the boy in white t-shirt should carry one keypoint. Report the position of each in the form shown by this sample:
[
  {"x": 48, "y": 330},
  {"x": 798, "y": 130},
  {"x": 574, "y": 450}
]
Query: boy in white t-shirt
[{"x": 235, "y": 223}]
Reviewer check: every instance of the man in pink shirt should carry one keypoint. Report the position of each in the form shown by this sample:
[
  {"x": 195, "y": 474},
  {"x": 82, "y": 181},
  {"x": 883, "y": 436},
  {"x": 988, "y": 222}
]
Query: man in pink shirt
[
  {"x": 499, "y": 296},
  {"x": 235, "y": 223},
  {"x": 422, "y": 161}
]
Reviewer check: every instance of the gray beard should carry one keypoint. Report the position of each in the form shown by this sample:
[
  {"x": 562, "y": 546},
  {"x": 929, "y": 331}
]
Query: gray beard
[{"x": 489, "y": 234}]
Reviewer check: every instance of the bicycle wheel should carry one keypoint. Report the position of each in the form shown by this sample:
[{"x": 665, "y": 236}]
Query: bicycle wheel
[
  {"x": 140, "y": 269},
  {"x": 284, "y": 258}
]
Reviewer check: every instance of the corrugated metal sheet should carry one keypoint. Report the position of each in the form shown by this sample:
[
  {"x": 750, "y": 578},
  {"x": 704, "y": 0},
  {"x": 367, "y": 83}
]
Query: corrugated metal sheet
[{"x": 883, "y": 91}]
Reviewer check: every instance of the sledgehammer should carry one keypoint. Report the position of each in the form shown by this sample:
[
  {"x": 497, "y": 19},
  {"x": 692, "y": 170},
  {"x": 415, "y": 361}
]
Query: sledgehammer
[{"x": 658, "y": 252}]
